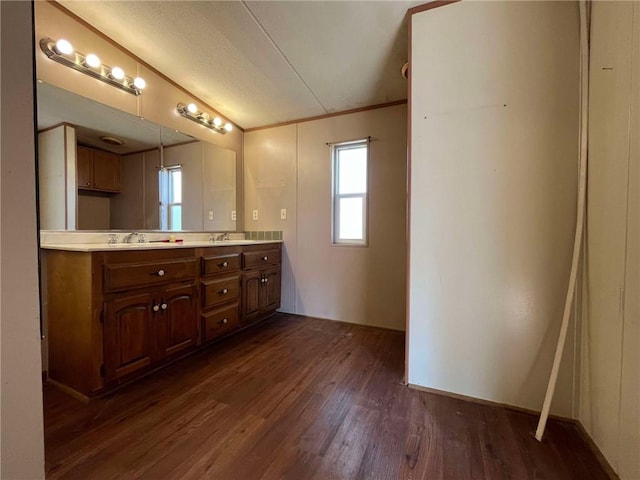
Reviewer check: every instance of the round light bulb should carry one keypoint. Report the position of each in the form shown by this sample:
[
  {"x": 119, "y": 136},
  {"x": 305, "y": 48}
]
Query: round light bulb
[
  {"x": 117, "y": 73},
  {"x": 228, "y": 127},
  {"x": 217, "y": 121},
  {"x": 63, "y": 47},
  {"x": 139, "y": 83},
  {"x": 192, "y": 107},
  {"x": 92, "y": 60}
]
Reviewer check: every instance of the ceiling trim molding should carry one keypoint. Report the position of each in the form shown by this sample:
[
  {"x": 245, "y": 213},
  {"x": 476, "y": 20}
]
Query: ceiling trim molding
[
  {"x": 86, "y": 24},
  {"x": 430, "y": 5},
  {"x": 327, "y": 115},
  {"x": 57, "y": 125}
]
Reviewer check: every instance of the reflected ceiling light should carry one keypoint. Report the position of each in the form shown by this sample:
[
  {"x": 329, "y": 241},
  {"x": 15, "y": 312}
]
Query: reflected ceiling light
[
  {"x": 117, "y": 73},
  {"x": 92, "y": 60},
  {"x": 139, "y": 83},
  {"x": 62, "y": 51},
  {"x": 191, "y": 112},
  {"x": 63, "y": 47}
]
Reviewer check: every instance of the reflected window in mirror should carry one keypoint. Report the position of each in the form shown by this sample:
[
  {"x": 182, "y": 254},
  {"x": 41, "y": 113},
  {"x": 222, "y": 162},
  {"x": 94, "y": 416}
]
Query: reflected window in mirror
[{"x": 170, "y": 198}]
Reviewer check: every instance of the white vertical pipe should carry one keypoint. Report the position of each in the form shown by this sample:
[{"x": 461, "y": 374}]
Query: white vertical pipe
[{"x": 584, "y": 110}]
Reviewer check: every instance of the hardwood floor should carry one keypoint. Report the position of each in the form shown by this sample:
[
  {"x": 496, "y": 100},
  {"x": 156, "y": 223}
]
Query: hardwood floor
[{"x": 300, "y": 398}]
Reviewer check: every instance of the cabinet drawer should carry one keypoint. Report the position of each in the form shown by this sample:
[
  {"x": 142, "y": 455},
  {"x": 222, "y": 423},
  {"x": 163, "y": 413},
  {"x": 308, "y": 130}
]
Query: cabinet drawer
[
  {"x": 133, "y": 275},
  {"x": 220, "y": 264},
  {"x": 258, "y": 259},
  {"x": 220, "y": 321},
  {"x": 215, "y": 292}
]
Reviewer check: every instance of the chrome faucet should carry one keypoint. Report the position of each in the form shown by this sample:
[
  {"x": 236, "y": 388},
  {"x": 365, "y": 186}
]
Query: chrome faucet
[
  {"x": 218, "y": 237},
  {"x": 139, "y": 238}
]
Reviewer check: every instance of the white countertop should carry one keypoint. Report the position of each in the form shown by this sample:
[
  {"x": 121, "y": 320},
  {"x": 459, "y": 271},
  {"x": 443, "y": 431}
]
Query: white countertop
[{"x": 98, "y": 247}]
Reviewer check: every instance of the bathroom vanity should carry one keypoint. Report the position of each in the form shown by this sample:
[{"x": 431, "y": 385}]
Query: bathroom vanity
[{"x": 115, "y": 313}]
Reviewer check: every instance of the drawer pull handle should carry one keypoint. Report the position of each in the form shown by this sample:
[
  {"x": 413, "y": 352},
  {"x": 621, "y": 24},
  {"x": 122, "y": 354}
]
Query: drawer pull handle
[
  {"x": 223, "y": 321},
  {"x": 262, "y": 280},
  {"x": 224, "y": 264},
  {"x": 164, "y": 306},
  {"x": 224, "y": 291},
  {"x": 266, "y": 280},
  {"x": 160, "y": 273},
  {"x": 265, "y": 258},
  {"x": 156, "y": 308}
]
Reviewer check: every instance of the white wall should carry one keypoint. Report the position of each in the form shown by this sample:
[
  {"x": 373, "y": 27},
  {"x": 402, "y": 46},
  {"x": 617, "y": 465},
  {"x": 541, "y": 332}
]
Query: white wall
[
  {"x": 218, "y": 188},
  {"x": 57, "y": 178},
  {"x": 21, "y": 435},
  {"x": 610, "y": 381},
  {"x": 494, "y": 109},
  {"x": 290, "y": 167},
  {"x": 52, "y": 179}
]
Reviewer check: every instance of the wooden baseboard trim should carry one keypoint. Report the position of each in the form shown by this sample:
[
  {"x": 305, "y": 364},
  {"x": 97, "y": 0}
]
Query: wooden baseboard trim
[
  {"x": 596, "y": 451},
  {"x": 352, "y": 324},
  {"x": 594, "y": 448},
  {"x": 70, "y": 391},
  {"x": 488, "y": 403}
]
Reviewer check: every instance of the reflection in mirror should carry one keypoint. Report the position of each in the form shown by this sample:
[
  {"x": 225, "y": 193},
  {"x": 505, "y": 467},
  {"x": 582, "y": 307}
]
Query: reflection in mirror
[{"x": 104, "y": 169}]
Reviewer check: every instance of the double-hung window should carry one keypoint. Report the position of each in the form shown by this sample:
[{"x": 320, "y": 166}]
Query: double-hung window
[
  {"x": 350, "y": 164},
  {"x": 170, "y": 198}
]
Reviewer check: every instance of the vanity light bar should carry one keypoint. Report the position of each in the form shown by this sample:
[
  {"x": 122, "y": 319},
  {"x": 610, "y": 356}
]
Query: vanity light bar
[
  {"x": 192, "y": 113},
  {"x": 63, "y": 53}
]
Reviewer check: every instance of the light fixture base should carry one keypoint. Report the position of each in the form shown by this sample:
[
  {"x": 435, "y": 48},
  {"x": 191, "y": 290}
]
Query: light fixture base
[
  {"x": 199, "y": 118},
  {"x": 77, "y": 60}
]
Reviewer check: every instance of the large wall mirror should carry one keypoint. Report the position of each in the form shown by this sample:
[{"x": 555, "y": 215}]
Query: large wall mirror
[{"x": 104, "y": 169}]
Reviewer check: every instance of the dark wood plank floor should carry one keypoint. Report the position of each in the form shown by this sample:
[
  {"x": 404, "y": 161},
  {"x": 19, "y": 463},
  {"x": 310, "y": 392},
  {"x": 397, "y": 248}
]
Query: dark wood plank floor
[{"x": 300, "y": 398}]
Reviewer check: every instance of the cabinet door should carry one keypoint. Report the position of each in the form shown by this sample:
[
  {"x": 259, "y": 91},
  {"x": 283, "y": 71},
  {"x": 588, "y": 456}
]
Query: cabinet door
[
  {"x": 129, "y": 336},
  {"x": 178, "y": 324},
  {"x": 251, "y": 295},
  {"x": 106, "y": 171},
  {"x": 84, "y": 165},
  {"x": 271, "y": 288}
]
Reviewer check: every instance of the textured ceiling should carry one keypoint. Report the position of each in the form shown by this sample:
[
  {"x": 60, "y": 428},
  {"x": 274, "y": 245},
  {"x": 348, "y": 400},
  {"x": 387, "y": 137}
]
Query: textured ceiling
[{"x": 264, "y": 62}]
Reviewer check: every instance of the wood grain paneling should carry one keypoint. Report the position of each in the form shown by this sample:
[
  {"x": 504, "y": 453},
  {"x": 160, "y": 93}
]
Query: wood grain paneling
[{"x": 300, "y": 398}]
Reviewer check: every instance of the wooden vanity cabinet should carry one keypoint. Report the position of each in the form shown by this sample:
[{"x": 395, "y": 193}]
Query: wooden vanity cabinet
[
  {"x": 151, "y": 310},
  {"x": 219, "y": 291},
  {"x": 113, "y": 316},
  {"x": 97, "y": 170},
  {"x": 261, "y": 278}
]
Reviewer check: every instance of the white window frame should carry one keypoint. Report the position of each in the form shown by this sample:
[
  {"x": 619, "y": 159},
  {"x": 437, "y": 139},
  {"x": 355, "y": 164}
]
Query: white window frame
[
  {"x": 165, "y": 195},
  {"x": 336, "y": 197}
]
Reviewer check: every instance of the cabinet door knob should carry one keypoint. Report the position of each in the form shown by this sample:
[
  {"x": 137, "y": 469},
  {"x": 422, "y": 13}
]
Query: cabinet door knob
[
  {"x": 161, "y": 273},
  {"x": 265, "y": 258},
  {"x": 164, "y": 306},
  {"x": 156, "y": 308},
  {"x": 224, "y": 320},
  {"x": 224, "y": 264},
  {"x": 224, "y": 291},
  {"x": 88, "y": 184},
  {"x": 266, "y": 280}
]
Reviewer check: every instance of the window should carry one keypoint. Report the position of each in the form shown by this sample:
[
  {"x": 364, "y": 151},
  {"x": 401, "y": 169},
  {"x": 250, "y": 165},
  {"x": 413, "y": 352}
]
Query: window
[
  {"x": 350, "y": 161},
  {"x": 170, "y": 198}
]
